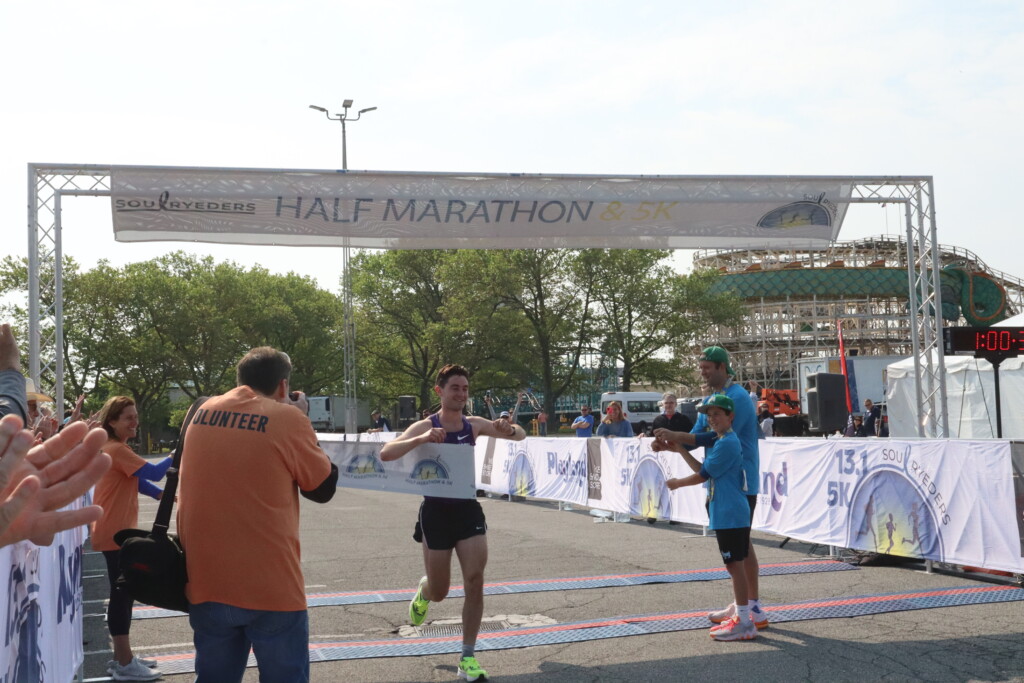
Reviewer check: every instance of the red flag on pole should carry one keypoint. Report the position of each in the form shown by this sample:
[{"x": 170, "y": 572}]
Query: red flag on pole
[{"x": 842, "y": 366}]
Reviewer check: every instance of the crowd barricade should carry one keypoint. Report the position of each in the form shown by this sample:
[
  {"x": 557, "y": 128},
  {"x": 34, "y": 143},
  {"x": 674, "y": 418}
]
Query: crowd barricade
[
  {"x": 950, "y": 501},
  {"x": 956, "y": 502},
  {"x": 41, "y": 635}
]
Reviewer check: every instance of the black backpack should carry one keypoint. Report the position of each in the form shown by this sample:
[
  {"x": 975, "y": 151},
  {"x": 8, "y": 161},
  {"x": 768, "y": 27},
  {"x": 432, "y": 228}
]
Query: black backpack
[{"x": 152, "y": 563}]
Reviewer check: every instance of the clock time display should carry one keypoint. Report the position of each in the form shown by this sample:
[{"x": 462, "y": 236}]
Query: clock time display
[{"x": 984, "y": 342}]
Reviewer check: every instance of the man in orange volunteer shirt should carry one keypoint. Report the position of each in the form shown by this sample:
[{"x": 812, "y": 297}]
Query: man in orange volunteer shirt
[{"x": 247, "y": 456}]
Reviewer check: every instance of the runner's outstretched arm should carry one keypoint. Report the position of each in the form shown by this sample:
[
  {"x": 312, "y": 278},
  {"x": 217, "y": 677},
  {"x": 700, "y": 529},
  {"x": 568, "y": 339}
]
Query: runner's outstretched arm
[
  {"x": 417, "y": 434},
  {"x": 500, "y": 428}
]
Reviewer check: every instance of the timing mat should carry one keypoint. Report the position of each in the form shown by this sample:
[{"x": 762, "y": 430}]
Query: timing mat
[
  {"x": 618, "y": 627},
  {"x": 540, "y": 585}
]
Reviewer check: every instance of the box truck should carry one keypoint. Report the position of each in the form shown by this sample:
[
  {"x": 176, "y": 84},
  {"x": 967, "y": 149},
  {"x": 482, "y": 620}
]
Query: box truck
[{"x": 327, "y": 413}]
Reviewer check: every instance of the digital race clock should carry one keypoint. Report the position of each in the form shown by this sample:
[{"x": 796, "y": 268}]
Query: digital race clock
[{"x": 984, "y": 342}]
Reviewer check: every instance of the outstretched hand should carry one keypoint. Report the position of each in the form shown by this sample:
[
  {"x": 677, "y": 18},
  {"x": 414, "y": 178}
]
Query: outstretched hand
[
  {"x": 36, "y": 481},
  {"x": 668, "y": 436},
  {"x": 504, "y": 427}
]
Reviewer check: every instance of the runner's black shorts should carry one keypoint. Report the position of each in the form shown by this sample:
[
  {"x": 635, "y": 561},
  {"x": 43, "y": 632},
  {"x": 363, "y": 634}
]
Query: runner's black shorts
[
  {"x": 443, "y": 522},
  {"x": 733, "y": 543}
]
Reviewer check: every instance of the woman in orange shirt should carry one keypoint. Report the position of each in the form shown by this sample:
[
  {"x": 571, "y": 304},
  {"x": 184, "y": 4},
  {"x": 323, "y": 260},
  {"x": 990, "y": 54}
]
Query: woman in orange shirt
[{"x": 118, "y": 494}]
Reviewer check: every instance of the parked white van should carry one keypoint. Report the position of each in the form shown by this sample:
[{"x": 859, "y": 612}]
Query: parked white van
[{"x": 641, "y": 407}]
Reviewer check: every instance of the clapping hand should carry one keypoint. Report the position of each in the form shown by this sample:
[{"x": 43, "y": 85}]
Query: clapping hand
[{"x": 35, "y": 482}]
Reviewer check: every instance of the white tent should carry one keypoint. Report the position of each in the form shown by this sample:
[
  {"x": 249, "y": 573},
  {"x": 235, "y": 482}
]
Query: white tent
[{"x": 970, "y": 396}]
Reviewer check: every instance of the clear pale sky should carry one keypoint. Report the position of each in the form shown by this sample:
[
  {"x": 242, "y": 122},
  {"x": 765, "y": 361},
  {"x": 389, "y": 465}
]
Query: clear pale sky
[{"x": 865, "y": 88}]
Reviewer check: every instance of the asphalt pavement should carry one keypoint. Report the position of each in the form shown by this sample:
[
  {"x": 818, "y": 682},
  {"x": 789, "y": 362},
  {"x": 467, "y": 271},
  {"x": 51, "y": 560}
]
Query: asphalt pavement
[{"x": 362, "y": 541}]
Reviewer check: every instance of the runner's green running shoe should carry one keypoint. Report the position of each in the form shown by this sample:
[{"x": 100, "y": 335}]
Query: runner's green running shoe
[
  {"x": 470, "y": 670},
  {"x": 418, "y": 606}
]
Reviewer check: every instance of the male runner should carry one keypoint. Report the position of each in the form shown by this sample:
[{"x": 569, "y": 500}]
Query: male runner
[
  {"x": 452, "y": 523},
  {"x": 717, "y": 375}
]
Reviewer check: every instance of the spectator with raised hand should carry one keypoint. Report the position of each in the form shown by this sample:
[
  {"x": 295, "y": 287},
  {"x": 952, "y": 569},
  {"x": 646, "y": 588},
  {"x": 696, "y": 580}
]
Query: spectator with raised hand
[
  {"x": 75, "y": 414},
  {"x": 615, "y": 422},
  {"x": 45, "y": 423},
  {"x": 35, "y": 482},
  {"x": 13, "y": 400}
]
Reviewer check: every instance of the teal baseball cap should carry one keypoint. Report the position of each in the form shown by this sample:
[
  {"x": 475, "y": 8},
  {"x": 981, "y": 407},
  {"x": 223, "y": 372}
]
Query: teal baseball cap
[
  {"x": 716, "y": 354},
  {"x": 717, "y": 401}
]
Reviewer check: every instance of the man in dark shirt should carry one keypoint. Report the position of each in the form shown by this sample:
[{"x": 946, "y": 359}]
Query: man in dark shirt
[
  {"x": 872, "y": 417},
  {"x": 380, "y": 423},
  {"x": 670, "y": 419}
]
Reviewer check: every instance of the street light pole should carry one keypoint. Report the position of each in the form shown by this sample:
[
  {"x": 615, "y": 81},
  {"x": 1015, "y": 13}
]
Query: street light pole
[
  {"x": 343, "y": 117},
  {"x": 349, "y": 322}
]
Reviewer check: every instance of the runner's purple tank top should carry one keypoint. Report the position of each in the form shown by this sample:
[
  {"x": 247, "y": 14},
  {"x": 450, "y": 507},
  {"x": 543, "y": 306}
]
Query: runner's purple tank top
[{"x": 463, "y": 437}]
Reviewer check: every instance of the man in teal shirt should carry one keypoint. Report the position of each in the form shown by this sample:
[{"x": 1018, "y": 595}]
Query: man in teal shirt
[{"x": 717, "y": 374}]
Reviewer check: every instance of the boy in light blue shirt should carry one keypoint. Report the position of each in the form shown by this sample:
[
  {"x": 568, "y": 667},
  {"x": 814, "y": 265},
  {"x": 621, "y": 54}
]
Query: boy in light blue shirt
[{"x": 728, "y": 510}]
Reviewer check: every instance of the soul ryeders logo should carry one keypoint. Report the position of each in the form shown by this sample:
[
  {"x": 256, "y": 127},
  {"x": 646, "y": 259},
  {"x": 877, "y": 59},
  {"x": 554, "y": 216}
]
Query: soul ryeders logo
[
  {"x": 164, "y": 203},
  {"x": 894, "y": 507}
]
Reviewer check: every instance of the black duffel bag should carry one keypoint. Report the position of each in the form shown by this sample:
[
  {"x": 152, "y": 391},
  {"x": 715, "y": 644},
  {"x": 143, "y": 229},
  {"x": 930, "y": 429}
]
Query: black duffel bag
[
  {"x": 152, "y": 563},
  {"x": 152, "y": 566}
]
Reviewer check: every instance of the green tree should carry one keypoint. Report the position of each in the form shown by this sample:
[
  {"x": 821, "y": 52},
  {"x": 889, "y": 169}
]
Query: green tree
[
  {"x": 401, "y": 338},
  {"x": 645, "y": 312},
  {"x": 548, "y": 294},
  {"x": 184, "y": 321}
]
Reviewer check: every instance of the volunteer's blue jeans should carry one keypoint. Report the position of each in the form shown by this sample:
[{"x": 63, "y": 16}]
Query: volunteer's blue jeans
[{"x": 223, "y": 635}]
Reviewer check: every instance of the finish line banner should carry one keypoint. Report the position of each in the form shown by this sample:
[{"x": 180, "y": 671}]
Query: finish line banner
[
  {"x": 392, "y": 210},
  {"x": 443, "y": 470}
]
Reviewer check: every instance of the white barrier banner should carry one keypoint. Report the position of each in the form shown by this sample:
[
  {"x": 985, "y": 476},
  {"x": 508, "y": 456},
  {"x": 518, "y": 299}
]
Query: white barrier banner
[
  {"x": 493, "y": 463},
  {"x": 443, "y": 470},
  {"x": 41, "y": 635},
  {"x": 551, "y": 468},
  {"x": 633, "y": 481},
  {"x": 393, "y": 210},
  {"x": 948, "y": 501},
  {"x": 363, "y": 437}
]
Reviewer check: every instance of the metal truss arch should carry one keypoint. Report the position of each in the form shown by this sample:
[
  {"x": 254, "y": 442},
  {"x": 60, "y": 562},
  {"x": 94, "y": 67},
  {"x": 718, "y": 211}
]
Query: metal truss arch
[{"x": 48, "y": 182}]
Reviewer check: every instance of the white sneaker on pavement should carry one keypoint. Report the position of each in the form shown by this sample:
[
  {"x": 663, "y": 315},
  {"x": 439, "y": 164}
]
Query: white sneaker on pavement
[
  {"x": 734, "y": 629},
  {"x": 134, "y": 670},
  {"x": 759, "y": 617},
  {"x": 151, "y": 663},
  {"x": 722, "y": 614}
]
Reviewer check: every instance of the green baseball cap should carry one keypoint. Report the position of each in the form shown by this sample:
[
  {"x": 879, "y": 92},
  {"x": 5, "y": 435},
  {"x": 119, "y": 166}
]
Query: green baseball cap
[
  {"x": 717, "y": 401},
  {"x": 716, "y": 354}
]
